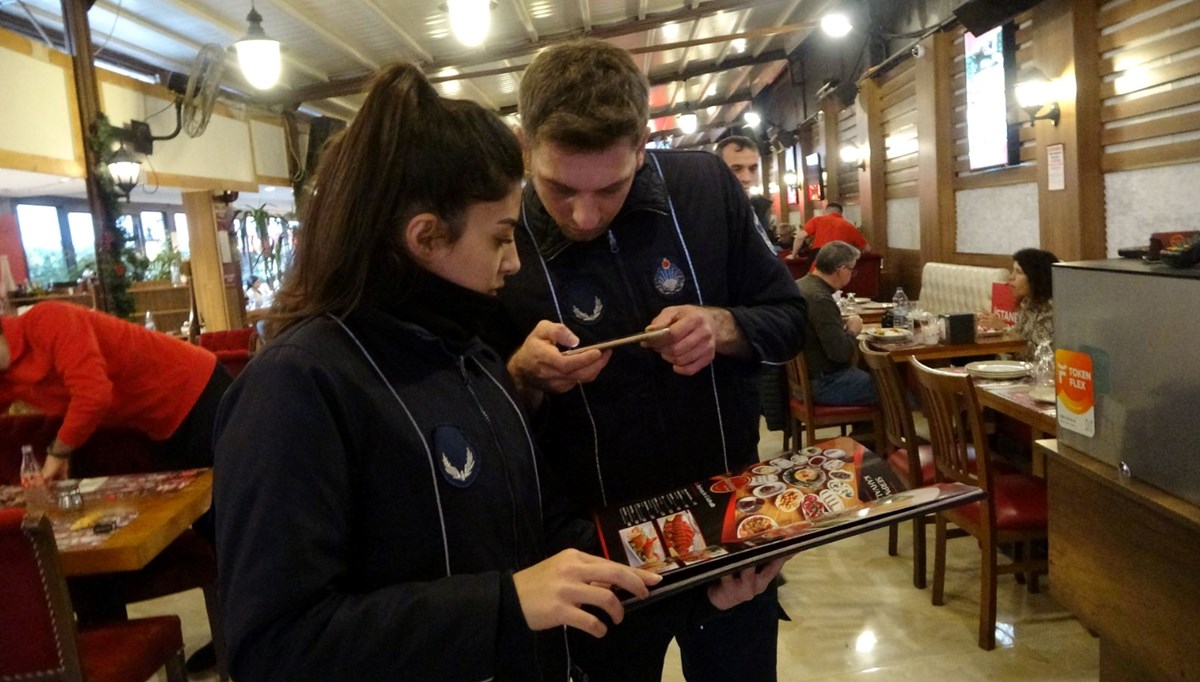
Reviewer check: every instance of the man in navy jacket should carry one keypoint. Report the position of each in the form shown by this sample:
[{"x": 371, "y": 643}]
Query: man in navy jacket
[{"x": 615, "y": 240}]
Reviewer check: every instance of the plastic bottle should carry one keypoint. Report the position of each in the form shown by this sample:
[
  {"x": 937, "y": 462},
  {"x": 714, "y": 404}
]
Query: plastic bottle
[
  {"x": 900, "y": 319},
  {"x": 37, "y": 499},
  {"x": 150, "y": 321}
]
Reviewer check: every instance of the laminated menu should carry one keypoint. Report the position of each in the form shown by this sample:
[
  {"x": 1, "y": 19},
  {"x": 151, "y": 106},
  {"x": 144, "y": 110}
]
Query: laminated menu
[{"x": 793, "y": 502}]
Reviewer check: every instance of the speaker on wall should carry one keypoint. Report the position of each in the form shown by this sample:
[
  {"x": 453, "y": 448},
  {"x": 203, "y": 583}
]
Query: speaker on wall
[{"x": 980, "y": 16}]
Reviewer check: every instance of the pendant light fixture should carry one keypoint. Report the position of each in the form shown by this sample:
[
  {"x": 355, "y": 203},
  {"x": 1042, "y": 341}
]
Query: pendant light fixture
[
  {"x": 470, "y": 20},
  {"x": 257, "y": 54}
]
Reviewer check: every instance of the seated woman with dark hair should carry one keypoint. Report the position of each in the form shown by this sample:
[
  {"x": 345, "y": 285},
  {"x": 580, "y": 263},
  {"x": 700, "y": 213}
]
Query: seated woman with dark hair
[{"x": 1033, "y": 289}]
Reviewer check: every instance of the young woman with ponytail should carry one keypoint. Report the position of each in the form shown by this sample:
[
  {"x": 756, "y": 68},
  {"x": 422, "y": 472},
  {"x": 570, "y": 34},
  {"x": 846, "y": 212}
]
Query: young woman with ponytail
[{"x": 381, "y": 512}]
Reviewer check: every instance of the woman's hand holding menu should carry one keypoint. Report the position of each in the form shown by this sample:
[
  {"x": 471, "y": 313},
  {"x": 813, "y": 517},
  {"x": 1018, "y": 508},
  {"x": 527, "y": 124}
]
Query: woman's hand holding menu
[
  {"x": 553, "y": 592},
  {"x": 746, "y": 584}
]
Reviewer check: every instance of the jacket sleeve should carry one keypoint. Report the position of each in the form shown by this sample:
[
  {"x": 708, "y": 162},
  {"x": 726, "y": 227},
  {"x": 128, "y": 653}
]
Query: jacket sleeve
[
  {"x": 764, "y": 299},
  {"x": 75, "y": 355},
  {"x": 284, "y": 506}
]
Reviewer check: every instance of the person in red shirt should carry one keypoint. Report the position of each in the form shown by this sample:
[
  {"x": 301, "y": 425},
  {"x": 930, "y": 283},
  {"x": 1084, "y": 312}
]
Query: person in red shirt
[
  {"x": 96, "y": 370},
  {"x": 831, "y": 227}
]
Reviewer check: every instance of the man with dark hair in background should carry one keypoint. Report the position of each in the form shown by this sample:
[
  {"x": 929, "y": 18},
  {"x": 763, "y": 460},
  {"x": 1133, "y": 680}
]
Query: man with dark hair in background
[{"x": 740, "y": 153}]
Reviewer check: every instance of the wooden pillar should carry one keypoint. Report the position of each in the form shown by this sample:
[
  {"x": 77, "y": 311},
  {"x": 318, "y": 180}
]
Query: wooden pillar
[
  {"x": 935, "y": 157},
  {"x": 207, "y": 259},
  {"x": 832, "y": 143},
  {"x": 1065, "y": 48},
  {"x": 78, "y": 37},
  {"x": 872, "y": 189}
]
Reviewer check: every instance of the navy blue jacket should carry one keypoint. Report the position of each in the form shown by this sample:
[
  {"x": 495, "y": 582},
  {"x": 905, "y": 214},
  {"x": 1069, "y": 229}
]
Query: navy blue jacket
[
  {"x": 685, "y": 235},
  {"x": 362, "y": 540}
]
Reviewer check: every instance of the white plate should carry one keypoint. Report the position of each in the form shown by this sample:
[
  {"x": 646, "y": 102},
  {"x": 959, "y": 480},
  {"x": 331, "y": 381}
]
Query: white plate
[
  {"x": 999, "y": 369},
  {"x": 889, "y": 335},
  {"x": 1044, "y": 394},
  {"x": 873, "y": 305}
]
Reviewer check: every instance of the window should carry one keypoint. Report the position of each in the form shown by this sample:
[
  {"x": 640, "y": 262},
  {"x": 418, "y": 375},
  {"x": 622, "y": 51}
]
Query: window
[
  {"x": 182, "y": 237},
  {"x": 83, "y": 238},
  {"x": 42, "y": 238},
  {"x": 154, "y": 233}
]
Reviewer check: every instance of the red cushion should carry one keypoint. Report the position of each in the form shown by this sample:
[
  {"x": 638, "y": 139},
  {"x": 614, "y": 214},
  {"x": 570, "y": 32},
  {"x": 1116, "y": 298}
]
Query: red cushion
[
  {"x": 797, "y": 406},
  {"x": 898, "y": 460},
  {"x": 234, "y": 361},
  {"x": 130, "y": 650},
  {"x": 233, "y": 339},
  {"x": 1020, "y": 502}
]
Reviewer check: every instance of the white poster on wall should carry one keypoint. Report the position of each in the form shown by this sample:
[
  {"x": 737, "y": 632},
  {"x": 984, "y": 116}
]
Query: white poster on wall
[{"x": 1056, "y": 168}]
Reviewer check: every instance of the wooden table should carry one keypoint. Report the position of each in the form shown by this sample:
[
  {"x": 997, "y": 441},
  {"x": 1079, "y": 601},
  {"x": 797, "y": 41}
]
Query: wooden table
[
  {"x": 160, "y": 519},
  {"x": 1123, "y": 558},
  {"x": 981, "y": 346},
  {"x": 1012, "y": 399}
]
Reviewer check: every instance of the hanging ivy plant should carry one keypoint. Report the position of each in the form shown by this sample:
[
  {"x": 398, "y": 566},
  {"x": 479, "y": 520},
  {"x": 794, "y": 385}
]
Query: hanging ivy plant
[{"x": 113, "y": 270}]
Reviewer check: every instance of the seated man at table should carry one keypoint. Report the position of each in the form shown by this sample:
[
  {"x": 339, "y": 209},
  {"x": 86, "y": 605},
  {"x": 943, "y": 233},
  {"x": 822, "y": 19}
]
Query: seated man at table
[{"x": 831, "y": 338}]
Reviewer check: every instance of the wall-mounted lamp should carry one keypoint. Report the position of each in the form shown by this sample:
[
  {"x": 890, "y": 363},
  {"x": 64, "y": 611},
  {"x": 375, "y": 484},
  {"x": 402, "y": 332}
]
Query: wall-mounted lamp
[
  {"x": 258, "y": 55},
  {"x": 1034, "y": 93},
  {"x": 125, "y": 170},
  {"x": 470, "y": 20},
  {"x": 752, "y": 118},
  {"x": 853, "y": 154},
  {"x": 791, "y": 179}
]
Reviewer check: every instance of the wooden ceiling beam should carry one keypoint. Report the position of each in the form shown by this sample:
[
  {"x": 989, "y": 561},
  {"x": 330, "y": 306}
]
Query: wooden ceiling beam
[{"x": 359, "y": 83}]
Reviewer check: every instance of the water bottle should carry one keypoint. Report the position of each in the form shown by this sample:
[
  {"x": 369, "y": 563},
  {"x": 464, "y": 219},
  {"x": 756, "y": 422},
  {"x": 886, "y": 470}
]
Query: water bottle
[
  {"x": 900, "y": 319},
  {"x": 37, "y": 499},
  {"x": 150, "y": 322}
]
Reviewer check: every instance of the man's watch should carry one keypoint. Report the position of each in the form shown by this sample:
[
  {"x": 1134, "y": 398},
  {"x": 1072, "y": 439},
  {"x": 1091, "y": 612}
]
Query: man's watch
[{"x": 60, "y": 455}]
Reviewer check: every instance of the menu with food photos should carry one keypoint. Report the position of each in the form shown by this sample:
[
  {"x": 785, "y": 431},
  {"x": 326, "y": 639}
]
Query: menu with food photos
[{"x": 793, "y": 502}]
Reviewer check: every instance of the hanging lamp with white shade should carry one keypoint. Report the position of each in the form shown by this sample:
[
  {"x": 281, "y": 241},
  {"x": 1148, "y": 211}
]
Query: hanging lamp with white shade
[{"x": 258, "y": 54}]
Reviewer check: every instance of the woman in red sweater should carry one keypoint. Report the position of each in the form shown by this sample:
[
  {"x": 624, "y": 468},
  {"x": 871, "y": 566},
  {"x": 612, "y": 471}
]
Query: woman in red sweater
[{"x": 95, "y": 370}]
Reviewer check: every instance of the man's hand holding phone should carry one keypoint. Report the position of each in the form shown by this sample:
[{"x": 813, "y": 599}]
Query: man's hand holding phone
[{"x": 540, "y": 365}]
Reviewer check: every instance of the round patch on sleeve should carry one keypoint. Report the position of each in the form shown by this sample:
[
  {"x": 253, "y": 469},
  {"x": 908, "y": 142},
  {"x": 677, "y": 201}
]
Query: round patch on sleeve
[{"x": 458, "y": 461}]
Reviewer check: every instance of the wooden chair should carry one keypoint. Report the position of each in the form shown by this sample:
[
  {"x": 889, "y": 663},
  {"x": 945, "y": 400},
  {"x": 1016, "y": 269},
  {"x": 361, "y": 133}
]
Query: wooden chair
[
  {"x": 901, "y": 448},
  {"x": 813, "y": 416},
  {"x": 1014, "y": 511},
  {"x": 41, "y": 641}
]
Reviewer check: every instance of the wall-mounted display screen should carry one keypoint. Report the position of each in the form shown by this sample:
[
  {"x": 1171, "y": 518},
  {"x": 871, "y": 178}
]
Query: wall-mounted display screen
[{"x": 990, "y": 62}]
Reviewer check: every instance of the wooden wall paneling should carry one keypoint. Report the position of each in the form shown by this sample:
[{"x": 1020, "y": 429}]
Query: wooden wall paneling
[
  {"x": 935, "y": 161},
  {"x": 1145, "y": 78},
  {"x": 1150, "y": 27},
  {"x": 872, "y": 192},
  {"x": 1158, "y": 127},
  {"x": 1148, "y": 157},
  {"x": 1072, "y": 220},
  {"x": 1149, "y": 104},
  {"x": 848, "y": 172},
  {"x": 1132, "y": 57},
  {"x": 1125, "y": 11}
]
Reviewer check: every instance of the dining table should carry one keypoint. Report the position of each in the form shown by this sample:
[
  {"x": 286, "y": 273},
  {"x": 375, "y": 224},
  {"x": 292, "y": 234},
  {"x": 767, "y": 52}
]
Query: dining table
[
  {"x": 124, "y": 521},
  {"x": 1011, "y": 398},
  {"x": 982, "y": 345}
]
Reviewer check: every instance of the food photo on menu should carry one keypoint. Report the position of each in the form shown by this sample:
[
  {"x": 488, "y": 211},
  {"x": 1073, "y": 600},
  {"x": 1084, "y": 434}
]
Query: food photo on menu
[{"x": 795, "y": 501}]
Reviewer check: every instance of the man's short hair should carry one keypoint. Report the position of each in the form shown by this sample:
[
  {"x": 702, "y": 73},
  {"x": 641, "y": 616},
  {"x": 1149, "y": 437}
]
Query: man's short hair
[
  {"x": 833, "y": 206},
  {"x": 739, "y": 143},
  {"x": 585, "y": 95},
  {"x": 834, "y": 255}
]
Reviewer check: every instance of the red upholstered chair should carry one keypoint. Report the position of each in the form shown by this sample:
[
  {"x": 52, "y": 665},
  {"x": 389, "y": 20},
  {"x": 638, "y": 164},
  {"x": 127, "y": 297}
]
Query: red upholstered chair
[
  {"x": 187, "y": 563},
  {"x": 233, "y": 348},
  {"x": 1014, "y": 512},
  {"x": 813, "y": 416},
  {"x": 41, "y": 641},
  {"x": 905, "y": 454}
]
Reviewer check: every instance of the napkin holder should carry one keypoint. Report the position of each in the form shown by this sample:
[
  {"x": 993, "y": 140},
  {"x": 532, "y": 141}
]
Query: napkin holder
[{"x": 957, "y": 328}]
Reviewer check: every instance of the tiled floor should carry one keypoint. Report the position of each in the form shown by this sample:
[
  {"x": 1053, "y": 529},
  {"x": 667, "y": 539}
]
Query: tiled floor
[{"x": 855, "y": 616}]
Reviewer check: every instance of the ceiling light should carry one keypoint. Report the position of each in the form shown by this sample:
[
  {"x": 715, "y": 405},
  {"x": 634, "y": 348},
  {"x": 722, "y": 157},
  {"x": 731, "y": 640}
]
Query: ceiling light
[
  {"x": 752, "y": 118},
  {"x": 670, "y": 31},
  {"x": 258, "y": 55},
  {"x": 836, "y": 25},
  {"x": 470, "y": 20},
  {"x": 739, "y": 44},
  {"x": 688, "y": 123}
]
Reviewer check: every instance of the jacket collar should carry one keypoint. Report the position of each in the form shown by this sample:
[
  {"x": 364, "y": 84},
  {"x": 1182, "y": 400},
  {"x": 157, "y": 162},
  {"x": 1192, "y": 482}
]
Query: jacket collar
[{"x": 647, "y": 193}]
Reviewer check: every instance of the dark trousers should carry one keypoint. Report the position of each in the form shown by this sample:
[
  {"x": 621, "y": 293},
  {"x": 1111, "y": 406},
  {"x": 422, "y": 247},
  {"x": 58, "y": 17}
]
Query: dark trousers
[
  {"x": 739, "y": 644},
  {"x": 191, "y": 446}
]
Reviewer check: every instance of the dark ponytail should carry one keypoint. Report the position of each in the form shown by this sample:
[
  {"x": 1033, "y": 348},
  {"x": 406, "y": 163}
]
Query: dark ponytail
[{"x": 407, "y": 152}]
